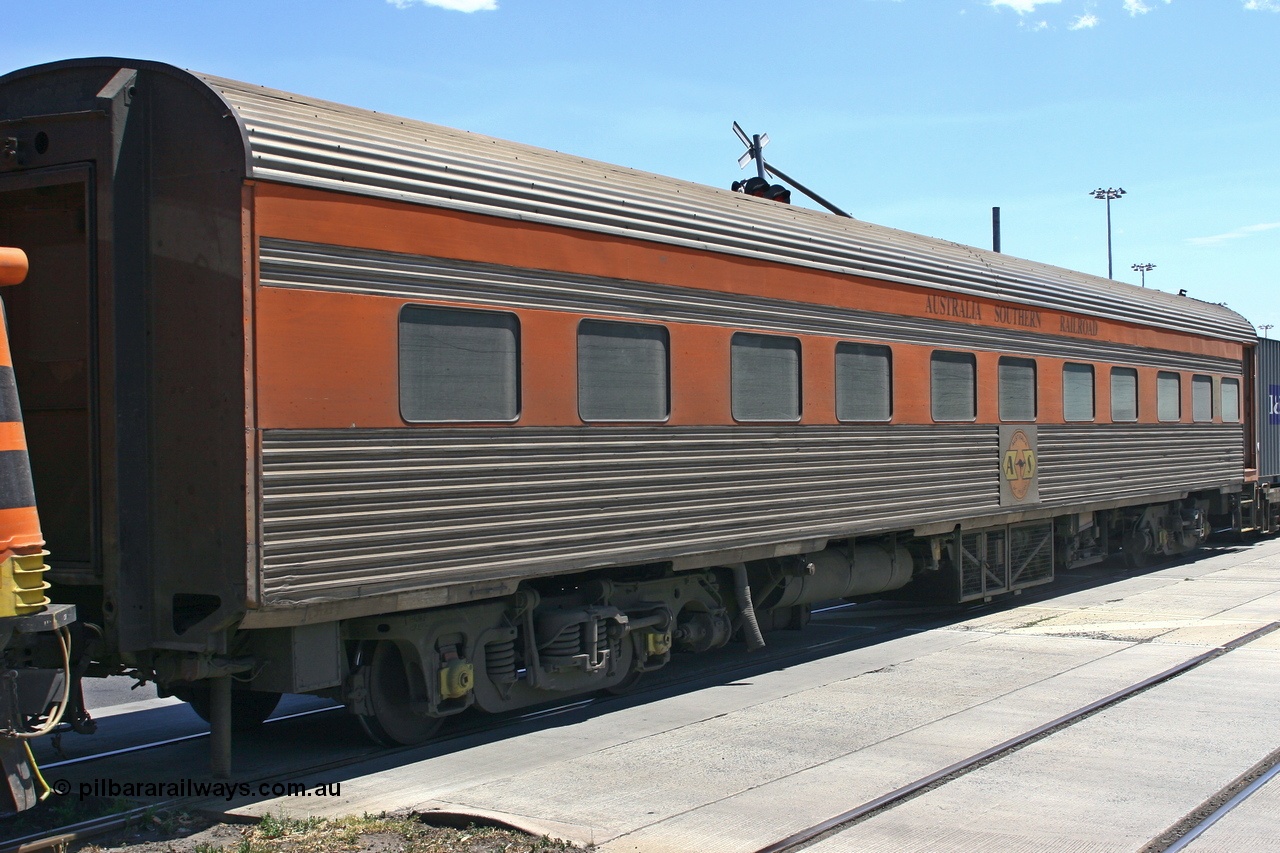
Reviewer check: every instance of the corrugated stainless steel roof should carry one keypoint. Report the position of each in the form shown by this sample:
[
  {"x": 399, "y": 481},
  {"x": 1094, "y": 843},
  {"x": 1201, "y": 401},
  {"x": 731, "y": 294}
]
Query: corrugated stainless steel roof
[{"x": 308, "y": 142}]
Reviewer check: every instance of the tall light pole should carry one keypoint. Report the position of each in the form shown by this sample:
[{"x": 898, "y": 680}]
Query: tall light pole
[
  {"x": 1107, "y": 195},
  {"x": 1264, "y": 328},
  {"x": 1144, "y": 269}
]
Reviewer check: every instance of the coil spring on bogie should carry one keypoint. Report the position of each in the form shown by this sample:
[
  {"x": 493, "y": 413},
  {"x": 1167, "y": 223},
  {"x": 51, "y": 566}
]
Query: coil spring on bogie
[
  {"x": 567, "y": 644},
  {"x": 500, "y": 661},
  {"x": 602, "y": 641}
]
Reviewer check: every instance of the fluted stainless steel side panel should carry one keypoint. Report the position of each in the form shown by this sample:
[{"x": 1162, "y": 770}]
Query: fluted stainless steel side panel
[
  {"x": 307, "y": 142},
  {"x": 344, "y": 270},
  {"x": 1105, "y": 462},
  {"x": 354, "y": 512}
]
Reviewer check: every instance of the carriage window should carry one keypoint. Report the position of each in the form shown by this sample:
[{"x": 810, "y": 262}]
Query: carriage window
[
  {"x": 765, "y": 375},
  {"x": 458, "y": 365},
  {"x": 1017, "y": 389},
  {"x": 623, "y": 372},
  {"x": 953, "y": 386},
  {"x": 1201, "y": 398},
  {"x": 864, "y": 384},
  {"x": 1124, "y": 394},
  {"x": 1077, "y": 392},
  {"x": 1231, "y": 401},
  {"x": 1169, "y": 396}
]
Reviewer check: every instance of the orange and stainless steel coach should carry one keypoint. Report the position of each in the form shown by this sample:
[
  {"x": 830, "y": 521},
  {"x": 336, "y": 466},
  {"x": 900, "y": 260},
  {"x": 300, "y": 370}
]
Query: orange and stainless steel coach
[{"x": 323, "y": 400}]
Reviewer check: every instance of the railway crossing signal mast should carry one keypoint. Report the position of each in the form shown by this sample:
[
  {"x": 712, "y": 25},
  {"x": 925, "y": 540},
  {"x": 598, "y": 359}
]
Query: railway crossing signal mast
[{"x": 759, "y": 185}]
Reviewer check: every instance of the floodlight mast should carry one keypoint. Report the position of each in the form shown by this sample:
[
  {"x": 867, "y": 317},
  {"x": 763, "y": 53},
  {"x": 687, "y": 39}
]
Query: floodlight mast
[{"x": 755, "y": 151}]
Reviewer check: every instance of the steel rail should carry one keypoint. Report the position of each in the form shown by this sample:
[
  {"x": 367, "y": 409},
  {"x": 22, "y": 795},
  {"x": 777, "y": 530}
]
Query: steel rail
[
  {"x": 545, "y": 711},
  {"x": 909, "y": 618},
  {"x": 75, "y": 832},
  {"x": 58, "y": 838},
  {"x": 801, "y": 839},
  {"x": 1226, "y": 808},
  {"x": 143, "y": 747}
]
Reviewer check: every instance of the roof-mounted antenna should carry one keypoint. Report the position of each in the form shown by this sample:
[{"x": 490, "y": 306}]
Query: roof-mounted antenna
[{"x": 755, "y": 151}]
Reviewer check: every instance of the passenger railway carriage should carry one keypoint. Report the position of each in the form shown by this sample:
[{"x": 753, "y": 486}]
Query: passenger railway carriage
[{"x": 331, "y": 401}]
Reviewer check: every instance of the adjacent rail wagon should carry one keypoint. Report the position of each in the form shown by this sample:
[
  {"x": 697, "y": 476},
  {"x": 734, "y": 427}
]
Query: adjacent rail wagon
[{"x": 323, "y": 400}]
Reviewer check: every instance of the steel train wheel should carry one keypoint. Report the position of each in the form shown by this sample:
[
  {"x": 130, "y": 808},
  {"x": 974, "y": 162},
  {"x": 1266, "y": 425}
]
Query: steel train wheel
[
  {"x": 626, "y": 685},
  {"x": 393, "y": 721},
  {"x": 249, "y": 708},
  {"x": 1135, "y": 549}
]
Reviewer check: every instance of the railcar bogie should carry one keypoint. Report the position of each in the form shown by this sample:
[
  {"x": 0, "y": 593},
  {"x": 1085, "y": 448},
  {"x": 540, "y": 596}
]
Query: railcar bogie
[
  {"x": 402, "y": 674},
  {"x": 526, "y": 649}
]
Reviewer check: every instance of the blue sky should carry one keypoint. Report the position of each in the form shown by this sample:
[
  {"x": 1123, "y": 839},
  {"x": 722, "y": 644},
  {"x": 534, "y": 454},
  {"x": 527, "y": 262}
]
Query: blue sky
[{"x": 917, "y": 114}]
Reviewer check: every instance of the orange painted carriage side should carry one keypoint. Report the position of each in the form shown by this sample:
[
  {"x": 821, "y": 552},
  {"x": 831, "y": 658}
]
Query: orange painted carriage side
[
  {"x": 331, "y": 360},
  {"x": 318, "y": 216},
  {"x": 700, "y": 376},
  {"x": 818, "y": 380}
]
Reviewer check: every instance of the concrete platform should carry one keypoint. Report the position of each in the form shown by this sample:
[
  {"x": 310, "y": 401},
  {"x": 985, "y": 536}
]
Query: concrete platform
[
  {"x": 1112, "y": 782},
  {"x": 735, "y": 766}
]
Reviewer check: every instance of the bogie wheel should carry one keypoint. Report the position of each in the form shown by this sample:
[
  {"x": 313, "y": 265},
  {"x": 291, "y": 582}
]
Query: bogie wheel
[
  {"x": 393, "y": 721},
  {"x": 1134, "y": 547},
  {"x": 1137, "y": 559},
  {"x": 627, "y": 685},
  {"x": 249, "y": 708}
]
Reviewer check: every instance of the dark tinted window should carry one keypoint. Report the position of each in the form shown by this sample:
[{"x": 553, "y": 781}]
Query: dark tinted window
[
  {"x": 766, "y": 377},
  {"x": 458, "y": 365},
  {"x": 1077, "y": 392},
  {"x": 1201, "y": 398},
  {"x": 864, "y": 383},
  {"x": 1231, "y": 401},
  {"x": 1169, "y": 396},
  {"x": 953, "y": 386},
  {"x": 1124, "y": 394},
  {"x": 623, "y": 371},
  {"x": 1017, "y": 389}
]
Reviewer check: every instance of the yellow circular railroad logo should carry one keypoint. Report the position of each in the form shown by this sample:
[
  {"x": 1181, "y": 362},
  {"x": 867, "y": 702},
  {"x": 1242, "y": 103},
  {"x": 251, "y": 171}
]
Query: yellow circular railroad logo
[{"x": 1019, "y": 464}]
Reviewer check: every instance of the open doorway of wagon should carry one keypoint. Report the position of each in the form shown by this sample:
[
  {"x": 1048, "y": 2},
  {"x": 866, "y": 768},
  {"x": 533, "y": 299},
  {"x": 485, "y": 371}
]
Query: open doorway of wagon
[{"x": 50, "y": 325}]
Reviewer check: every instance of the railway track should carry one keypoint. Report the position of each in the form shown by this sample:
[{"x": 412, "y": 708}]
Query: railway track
[
  {"x": 834, "y": 825},
  {"x": 687, "y": 673},
  {"x": 881, "y": 622},
  {"x": 695, "y": 674},
  {"x": 1179, "y": 836}
]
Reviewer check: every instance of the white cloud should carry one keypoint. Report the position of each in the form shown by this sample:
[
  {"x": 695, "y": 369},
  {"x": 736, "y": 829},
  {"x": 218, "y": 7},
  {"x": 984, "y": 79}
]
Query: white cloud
[
  {"x": 1262, "y": 5},
  {"x": 1246, "y": 231},
  {"x": 452, "y": 5},
  {"x": 1142, "y": 7},
  {"x": 1084, "y": 22},
  {"x": 1025, "y": 7}
]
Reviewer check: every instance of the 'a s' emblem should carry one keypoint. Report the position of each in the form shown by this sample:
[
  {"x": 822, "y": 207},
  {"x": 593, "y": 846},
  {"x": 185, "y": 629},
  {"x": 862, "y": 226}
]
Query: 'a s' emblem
[{"x": 1019, "y": 466}]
